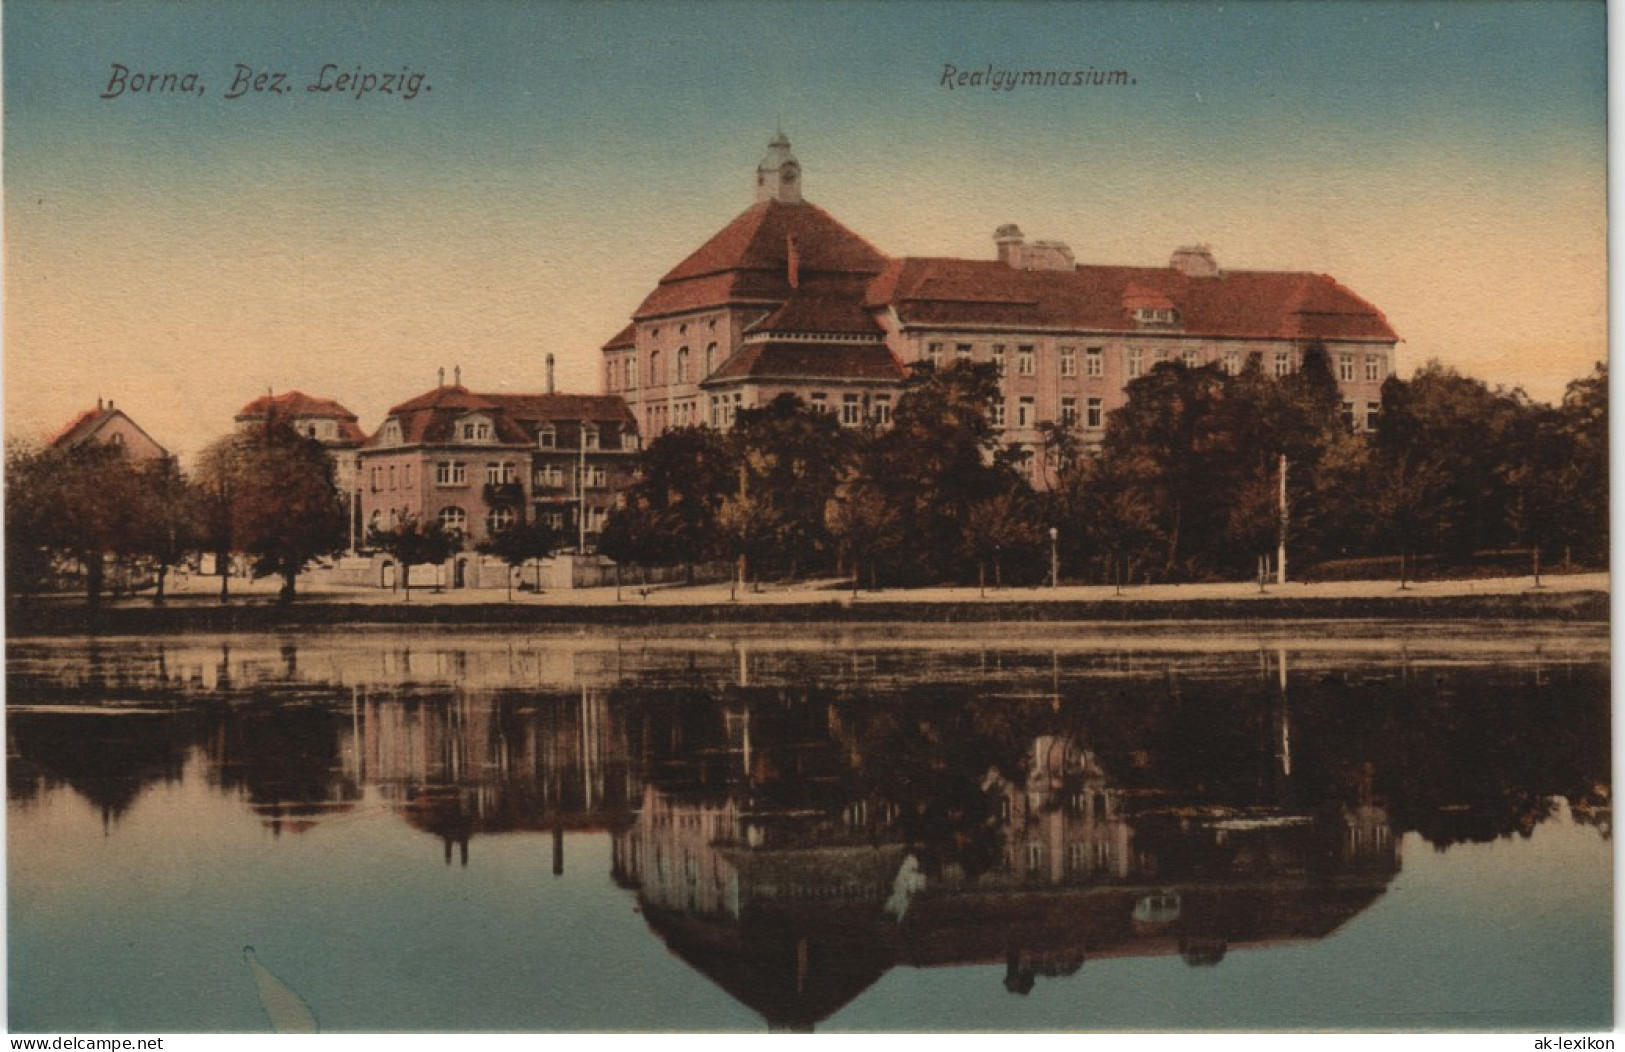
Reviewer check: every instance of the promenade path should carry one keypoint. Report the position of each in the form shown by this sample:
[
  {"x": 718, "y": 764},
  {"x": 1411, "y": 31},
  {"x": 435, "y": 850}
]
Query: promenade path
[{"x": 204, "y": 590}]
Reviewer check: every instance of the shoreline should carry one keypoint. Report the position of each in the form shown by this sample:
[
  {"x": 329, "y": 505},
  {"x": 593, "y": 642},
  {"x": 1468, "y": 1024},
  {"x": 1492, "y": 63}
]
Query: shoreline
[{"x": 1578, "y": 599}]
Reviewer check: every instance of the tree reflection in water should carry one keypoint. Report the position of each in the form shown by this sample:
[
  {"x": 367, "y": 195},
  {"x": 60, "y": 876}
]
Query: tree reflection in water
[{"x": 793, "y": 827}]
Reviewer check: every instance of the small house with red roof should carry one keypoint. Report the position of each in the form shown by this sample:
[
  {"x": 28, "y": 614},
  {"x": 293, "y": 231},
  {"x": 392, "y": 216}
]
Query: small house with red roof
[
  {"x": 786, "y": 299},
  {"x": 479, "y": 462},
  {"x": 107, "y": 425}
]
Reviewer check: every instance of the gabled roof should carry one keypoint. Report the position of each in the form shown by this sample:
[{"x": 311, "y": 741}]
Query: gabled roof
[
  {"x": 87, "y": 425},
  {"x": 749, "y": 259},
  {"x": 1239, "y": 303},
  {"x": 292, "y": 404}
]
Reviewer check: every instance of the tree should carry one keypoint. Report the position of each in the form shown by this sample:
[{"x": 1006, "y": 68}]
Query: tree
[
  {"x": 519, "y": 544},
  {"x": 669, "y": 516},
  {"x": 81, "y": 503},
  {"x": 270, "y": 494},
  {"x": 941, "y": 457},
  {"x": 789, "y": 461},
  {"x": 415, "y": 542},
  {"x": 168, "y": 524}
]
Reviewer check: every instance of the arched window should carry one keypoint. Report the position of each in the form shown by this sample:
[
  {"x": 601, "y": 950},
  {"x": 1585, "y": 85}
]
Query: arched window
[
  {"x": 710, "y": 358},
  {"x": 654, "y": 368},
  {"x": 454, "y": 518},
  {"x": 682, "y": 365}
]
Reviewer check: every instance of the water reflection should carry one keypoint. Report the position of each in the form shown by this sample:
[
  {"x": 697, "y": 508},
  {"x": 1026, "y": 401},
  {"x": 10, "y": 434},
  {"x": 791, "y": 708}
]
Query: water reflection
[{"x": 795, "y": 819}]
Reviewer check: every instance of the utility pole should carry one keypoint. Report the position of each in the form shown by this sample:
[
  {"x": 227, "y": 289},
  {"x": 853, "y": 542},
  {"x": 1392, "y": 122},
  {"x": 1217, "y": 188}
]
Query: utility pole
[
  {"x": 581, "y": 493},
  {"x": 1280, "y": 552}
]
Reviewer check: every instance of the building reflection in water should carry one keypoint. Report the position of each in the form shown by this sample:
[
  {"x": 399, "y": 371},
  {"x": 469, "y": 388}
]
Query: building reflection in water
[{"x": 794, "y": 839}]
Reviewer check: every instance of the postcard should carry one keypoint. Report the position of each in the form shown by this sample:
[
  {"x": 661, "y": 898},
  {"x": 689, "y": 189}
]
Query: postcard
[{"x": 845, "y": 517}]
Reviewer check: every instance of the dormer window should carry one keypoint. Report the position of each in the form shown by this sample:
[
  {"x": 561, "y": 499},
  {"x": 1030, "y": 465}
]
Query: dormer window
[
  {"x": 474, "y": 429},
  {"x": 391, "y": 435},
  {"x": 1156, "y": 316},
  {"x": 589, "y": 438},
  {"x": 547, "y": 437}
]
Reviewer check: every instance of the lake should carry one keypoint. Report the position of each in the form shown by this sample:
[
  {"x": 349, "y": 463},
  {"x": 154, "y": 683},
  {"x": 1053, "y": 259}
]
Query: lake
[{"x": 1322, "y": 825}]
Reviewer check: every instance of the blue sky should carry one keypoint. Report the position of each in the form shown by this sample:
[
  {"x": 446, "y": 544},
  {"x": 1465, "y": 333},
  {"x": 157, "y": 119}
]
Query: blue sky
[{"x": 183, "y": 253}]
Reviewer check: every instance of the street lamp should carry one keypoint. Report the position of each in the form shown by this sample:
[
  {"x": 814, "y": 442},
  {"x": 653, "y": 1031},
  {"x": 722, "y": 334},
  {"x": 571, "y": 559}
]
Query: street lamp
[{"x": 1054, "y": 558}]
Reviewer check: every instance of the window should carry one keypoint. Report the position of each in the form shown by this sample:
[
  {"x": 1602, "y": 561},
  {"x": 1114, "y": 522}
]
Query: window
[
  {"x": 1024, "y": 412},
  {"x": 453, "y": 518},
  {"x": 499, "y": 519},
  {"x": 1094, "y": 361},
  {"x": 851, "y": 410},
  {"x": 1283, "y": 363},
  {"x": 595, "y": 477},
  {"x": 632, "y": 372},
  {"x": 1232, "y": 362},
  {"x": 1348, "y": 415},
  {"x": 1026, "y": 360},
  {"x": 450, "y": 473},
  {"x": 1160, "y": 355},
  {"x": 392, "y": 476},
  {"x": 998, "y": 359},
  {"x": 595, "y": 520},
  {"x": 493, "y": 474},
  {"x": 820, "y": 402},
  {"x": 546, "y": 437},
  {"x": 882, "y": 409},
  {"x": 998, "y": 412},
  {"x": 1373, "y": 367},
  {"x": 1345, "y": 367},
  {"x": 549, "y": 476},
  {"x": 682, "y": 364},
  {"x": 1069, "y": 361},
  {"x": 961, "y": 352},
  {"x": 654, "y": 369},
  {"x": 710, "y": 356},
  {"x": 934, "y": 353},
  {"x": 1156, "y": 316},
  {"x": 589, "y": 437},
  {"x": 1069, "y": 412},
  {"x": 1092, "y": 419},
  {"x": 1373, "y": 411},
  {"x": 1035, "y": 856},
  {"x": 1191, "y": 357},
  {"x": 476, "y": 431},
  {"x": 392, "y": 433},
  {"x": 1135, "y": 363},
  {"x": 716, "y": 411}
]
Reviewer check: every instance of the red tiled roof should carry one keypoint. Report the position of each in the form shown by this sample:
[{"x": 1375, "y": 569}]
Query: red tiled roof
[
  {"x": 83, "y": 427},
  {"x": 298, "y": 404},
  {"x": 838, "y": 310},
  {"x": 809, "y": 360},
  {"x": 748, "y": 260},
  {"x": 431, "y": 418},
  {"x": 79, "y": 427},
  {"x": 627, "y": 337},
  {"x": 1240, "y": 303}
]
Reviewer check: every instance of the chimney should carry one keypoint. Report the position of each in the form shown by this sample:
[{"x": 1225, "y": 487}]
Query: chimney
[
  {"x": 550, "y": 372},
  {"x": 792, "y": 257},
  {"x": 442, "y": 381},
  {"x": 1195, "y": 261},
  {"x": 1009, "y": 239},
  {"x": 98, "y": 403},
  {"x": 457, "y": 376}
]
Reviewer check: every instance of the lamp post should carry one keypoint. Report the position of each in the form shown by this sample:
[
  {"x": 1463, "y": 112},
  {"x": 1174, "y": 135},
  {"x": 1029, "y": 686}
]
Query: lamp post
[{"x": 1054, "y": 558}]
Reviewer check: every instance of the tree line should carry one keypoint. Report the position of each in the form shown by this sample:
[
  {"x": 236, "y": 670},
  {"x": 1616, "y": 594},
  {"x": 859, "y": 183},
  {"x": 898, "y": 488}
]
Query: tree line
[
  {"x": 265, "y": 495},
  {"x": 1185, "y": 486}
]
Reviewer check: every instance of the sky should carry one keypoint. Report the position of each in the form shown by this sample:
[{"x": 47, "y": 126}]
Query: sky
[{"x": 183, "y": 252}]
